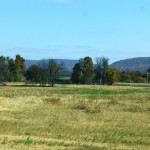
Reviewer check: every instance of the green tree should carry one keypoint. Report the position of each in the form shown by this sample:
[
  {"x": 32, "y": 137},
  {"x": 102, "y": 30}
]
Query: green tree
[
  {"x": 33, "y": 74},
  {"x": 76, "y": 74},
  {"x": 2, "y": 59},
  {"x": 87, "y": 70},
  {"x": 10, "y": 69},
  {"x": 13, "y": 70},
  {"x": 111, "y": 75},
  {"x": 3, "y": 70},
  {"x": 124, "y": 77},
  {"x": 20, "y": 62},
  {"x": 83, "y": 71}
]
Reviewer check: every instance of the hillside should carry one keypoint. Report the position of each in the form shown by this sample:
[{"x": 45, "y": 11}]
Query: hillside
[
  {"x": 133, "y": 64},
  {"x": 67, "y": 63}
]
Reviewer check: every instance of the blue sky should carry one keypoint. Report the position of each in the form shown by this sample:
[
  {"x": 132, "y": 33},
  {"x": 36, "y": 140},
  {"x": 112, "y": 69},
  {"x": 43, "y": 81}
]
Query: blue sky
[{"x": 73, "y": 29}]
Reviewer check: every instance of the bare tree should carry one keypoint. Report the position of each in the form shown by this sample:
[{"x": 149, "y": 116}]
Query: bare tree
[
  {"x": 101, "y": 68},
  {"x": 45, "y": 72},
  {"x": 54, "y": 71}
]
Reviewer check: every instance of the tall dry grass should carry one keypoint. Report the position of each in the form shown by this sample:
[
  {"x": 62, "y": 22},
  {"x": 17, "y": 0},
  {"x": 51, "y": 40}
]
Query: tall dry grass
[{"x": 74, "y": 117}]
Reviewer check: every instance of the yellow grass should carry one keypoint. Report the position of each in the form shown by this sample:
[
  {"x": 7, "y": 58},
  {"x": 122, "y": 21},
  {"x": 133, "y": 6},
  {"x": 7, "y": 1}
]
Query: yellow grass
[{"x": 52, "y": 119}]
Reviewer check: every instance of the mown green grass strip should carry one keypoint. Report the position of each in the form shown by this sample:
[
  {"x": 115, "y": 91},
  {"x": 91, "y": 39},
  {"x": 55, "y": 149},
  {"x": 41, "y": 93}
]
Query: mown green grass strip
[{"x": 98, "y": 92}]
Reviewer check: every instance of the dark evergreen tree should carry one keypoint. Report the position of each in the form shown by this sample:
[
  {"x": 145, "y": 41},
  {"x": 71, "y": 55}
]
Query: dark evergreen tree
[
  {"x": 87, "y": 70},
  {"x": 33, "y": 74},
  {"x": 3, "y": 70},
  {"x": 76, "y": 74},
  {"x": 13, "y": 70},
  {"x": 83, "y": 71}
]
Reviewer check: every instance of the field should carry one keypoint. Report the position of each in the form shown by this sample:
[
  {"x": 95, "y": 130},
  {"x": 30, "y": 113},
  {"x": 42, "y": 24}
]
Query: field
[{"x": 74, "y": 117}]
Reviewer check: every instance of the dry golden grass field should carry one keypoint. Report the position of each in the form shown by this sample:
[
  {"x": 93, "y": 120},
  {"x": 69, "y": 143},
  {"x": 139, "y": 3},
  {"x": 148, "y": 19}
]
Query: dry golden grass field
[{"x": 74, "y": 117}]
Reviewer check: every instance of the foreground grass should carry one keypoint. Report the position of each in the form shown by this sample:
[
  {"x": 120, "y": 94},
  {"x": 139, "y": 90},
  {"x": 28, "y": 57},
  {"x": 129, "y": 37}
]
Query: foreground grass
[{"x": 75, "y": 117}]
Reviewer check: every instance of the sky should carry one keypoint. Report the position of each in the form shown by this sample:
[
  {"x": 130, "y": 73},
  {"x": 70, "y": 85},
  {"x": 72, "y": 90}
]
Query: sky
[{"x": 73, "y": 29}]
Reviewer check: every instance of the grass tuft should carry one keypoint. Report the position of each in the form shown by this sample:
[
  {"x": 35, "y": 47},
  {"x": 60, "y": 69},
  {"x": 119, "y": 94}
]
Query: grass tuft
[{"x": 52, "y": 100}]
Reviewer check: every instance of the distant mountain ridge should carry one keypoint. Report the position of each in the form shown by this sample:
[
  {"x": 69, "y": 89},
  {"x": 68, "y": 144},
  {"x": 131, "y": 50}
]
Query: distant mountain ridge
[
  {"x": 133, "y": 64},
  {"x": 68, "y": 64}
]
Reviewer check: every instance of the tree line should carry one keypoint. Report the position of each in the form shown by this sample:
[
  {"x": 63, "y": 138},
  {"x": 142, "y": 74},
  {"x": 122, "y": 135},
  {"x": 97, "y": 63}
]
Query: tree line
[
  {"x": 11, "y": 70},
  {"x": 48, "y": 72},
  {"x": 84, "y": 72},
  {"x": 45, "y": 72}
]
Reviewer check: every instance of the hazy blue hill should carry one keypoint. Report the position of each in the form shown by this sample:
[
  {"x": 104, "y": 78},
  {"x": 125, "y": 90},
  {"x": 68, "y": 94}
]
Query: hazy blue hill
[
  {"x": 67, "y": 63},
  {"x": 133, "y": 64}
]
